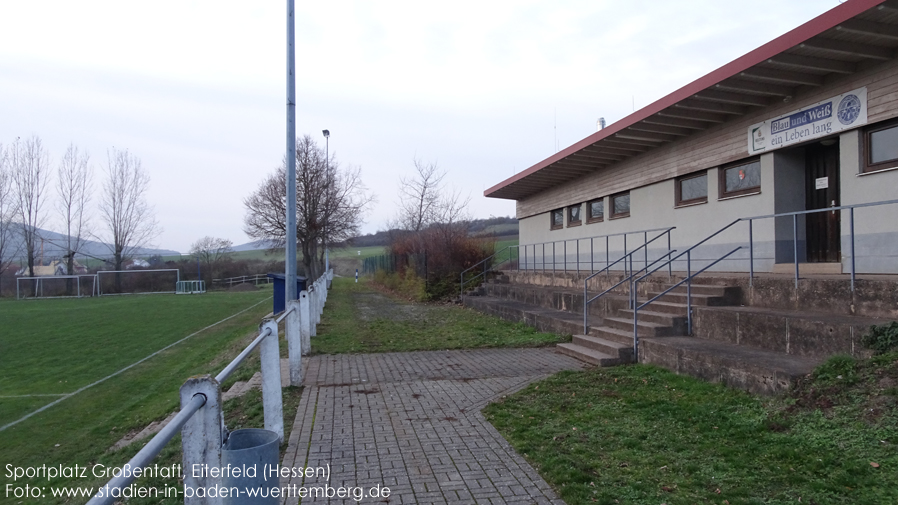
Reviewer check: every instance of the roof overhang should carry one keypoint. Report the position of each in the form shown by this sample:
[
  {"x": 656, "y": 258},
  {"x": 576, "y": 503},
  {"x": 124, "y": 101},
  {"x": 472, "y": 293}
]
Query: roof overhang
[{"x": 849, "y": 38}]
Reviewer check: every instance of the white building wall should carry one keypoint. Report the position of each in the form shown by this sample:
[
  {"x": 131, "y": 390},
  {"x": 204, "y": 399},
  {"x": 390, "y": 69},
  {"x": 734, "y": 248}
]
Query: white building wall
[
  {"x": 653, "y": 207},
  {"x": 875, "y": 228}
]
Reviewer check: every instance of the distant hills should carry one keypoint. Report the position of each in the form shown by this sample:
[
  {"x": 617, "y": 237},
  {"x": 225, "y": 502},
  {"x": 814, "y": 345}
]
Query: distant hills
[
  {"x": 53, "y": 246},
  {"x": 495, "y": 226},
  {"x": 255, "y": 245}
]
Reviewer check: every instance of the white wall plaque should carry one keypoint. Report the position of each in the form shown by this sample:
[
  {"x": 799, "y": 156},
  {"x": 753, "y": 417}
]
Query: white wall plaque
[{"x": 822, "y": 183}]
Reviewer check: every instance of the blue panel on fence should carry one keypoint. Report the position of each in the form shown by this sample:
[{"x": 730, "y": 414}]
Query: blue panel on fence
[{"x": 280, "y": 283}]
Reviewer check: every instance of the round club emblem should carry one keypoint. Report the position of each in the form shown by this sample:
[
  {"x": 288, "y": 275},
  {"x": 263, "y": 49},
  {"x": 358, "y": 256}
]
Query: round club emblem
[{"x": 849, "y": 109}]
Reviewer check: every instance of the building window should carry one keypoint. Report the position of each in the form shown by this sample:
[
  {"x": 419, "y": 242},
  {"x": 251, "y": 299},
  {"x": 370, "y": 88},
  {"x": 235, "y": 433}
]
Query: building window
[
  {"x": 881, "y": 146},
  {"x": 557, "y": 216},
  {"x": 692, "y": 189},
  {"x": 742, "y": 178},
  {"x": 620, "y": 205},
  {"x": 595, "y": 210},
  {"x": 573, "y": 215}
]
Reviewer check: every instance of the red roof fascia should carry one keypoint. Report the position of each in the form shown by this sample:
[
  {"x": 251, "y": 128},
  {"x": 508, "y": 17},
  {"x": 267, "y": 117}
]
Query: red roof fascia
[{"x": 816, "y": 26}]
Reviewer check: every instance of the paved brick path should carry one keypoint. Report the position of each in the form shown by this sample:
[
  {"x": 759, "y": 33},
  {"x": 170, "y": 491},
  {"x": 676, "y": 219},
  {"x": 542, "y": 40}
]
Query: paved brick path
[{"x": 412, "y": 422}]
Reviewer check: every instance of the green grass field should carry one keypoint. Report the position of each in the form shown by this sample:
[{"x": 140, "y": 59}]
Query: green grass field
[
  {"x": 52, "y": 347},
  {"x": 642, "y": 435}
]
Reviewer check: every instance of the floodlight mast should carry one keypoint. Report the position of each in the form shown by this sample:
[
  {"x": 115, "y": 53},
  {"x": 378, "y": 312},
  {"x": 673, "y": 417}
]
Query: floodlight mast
[
  {"x": 290, "y": 263},
  {"x": 327, "y": 173}
]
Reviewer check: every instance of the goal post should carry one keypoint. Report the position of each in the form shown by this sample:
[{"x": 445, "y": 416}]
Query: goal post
[
  {"x": 129, "y": 282},
  {"x": 191, "y": 287},
  {"x": 56, "y": 286}
]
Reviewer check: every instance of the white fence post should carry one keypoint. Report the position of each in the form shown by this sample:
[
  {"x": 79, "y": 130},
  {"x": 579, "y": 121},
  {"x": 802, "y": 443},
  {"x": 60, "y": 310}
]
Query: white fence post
[
  {"x": 294, "y": 341},
  {"x": 202, "y": 437},
  {"x": 313, "y": 303},
  {"x": 305, "y": 322},
  {"x": 271, "y": 380},
  {"x": 320, "y": 305}
]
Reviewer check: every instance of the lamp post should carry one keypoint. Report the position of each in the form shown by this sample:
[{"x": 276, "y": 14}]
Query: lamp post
[{"x": 327, "y": 173}]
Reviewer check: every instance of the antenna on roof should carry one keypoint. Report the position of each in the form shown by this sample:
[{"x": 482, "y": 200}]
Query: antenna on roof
[
  {"x": 600, "y": 124},
  {"x": 555, "y": 127}
]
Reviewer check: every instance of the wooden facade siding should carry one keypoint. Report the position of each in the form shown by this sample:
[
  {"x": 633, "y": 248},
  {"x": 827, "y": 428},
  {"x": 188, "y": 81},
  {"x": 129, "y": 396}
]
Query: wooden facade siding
[{"x": 718, "y": 145}]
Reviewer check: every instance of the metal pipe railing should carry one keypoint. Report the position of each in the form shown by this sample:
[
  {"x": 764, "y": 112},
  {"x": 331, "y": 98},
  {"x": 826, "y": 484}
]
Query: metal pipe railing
[
  {"x": 232, "y": 366},
  {"x": 202, "y": 442},
  {"x": 751, "y": 258},
  {"x": 484, "y": 261},
  {"x": 606, "y": 270},
  {"x": 795, "y": 214},
  {"x": 631, "y": 296},
  {"x": 531, "y": 258},
  {"x": 688, "y": 280},
  {"x": 149, "y": 452}
]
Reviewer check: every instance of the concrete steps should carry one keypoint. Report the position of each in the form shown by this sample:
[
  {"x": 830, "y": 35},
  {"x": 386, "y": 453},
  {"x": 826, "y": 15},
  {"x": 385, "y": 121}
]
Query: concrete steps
[
  {"x": 622, "y": 351},
  {"x": 588, "y": 355},
  {"x": 698, "y": 299},
  {"x": 761, "y": 348}
]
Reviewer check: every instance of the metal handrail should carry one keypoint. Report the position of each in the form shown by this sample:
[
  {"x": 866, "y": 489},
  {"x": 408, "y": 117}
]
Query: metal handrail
[
  {"x": 688, "y": 280},
  {"x": 607, "y": 238},
  {"x": 103, "y": 496},
  {"x": 606, "y": 269},
  {"x": 161, "y": 439},
  {"x": 524, "y": 247},
  {"x": 795, "y": 215},
  {"x": 462, "y": 280},
  {"x": 631, "y": 297},
  {"x": 228, "y": 370},
  {"x": 149, "y": 451},
  {"x": 587, "y": 300},
  {"x": 750, "y": 220}
]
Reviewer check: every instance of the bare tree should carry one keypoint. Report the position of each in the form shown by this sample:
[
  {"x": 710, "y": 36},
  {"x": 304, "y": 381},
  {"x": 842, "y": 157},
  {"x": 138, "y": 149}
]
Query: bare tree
[
  {"x": 330, "y": 204},
  {"x": 425, "y": 202},
  {"x": 30, "y": 164},
  {"x": 419, "y": 196},
  {"x": 123, "y": 207},
  {"x": 73, "y": 186},
  {"x": 212, "y": 252},
  {"x": 8, "y": 211}
]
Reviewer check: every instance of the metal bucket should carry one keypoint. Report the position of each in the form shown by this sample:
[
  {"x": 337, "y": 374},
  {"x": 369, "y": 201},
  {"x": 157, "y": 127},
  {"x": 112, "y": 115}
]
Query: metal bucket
[{"x": 249, "y": 449}]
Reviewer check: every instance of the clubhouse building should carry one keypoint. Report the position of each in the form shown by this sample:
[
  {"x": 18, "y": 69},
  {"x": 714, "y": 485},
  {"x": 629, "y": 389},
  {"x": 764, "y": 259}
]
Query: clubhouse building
[{"x": 808, "y": 121}]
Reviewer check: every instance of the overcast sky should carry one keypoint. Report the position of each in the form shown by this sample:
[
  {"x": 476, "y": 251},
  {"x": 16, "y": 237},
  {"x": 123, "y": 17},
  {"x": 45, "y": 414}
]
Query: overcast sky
[{"x": 487, "y": 88}]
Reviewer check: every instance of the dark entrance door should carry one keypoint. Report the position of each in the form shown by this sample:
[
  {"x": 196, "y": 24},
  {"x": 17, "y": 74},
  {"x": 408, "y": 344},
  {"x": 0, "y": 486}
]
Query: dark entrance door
[{"x": 822, "y": 190}]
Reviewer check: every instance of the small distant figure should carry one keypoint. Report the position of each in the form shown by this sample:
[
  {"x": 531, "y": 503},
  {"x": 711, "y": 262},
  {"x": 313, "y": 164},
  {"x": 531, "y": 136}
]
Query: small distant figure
[
  {"x": 360, "y": 252},
  {"x": 356, "y": 275}
]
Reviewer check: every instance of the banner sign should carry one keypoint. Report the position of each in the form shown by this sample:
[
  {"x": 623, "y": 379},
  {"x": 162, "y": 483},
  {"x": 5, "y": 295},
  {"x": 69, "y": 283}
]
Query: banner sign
[{"x": 843, "y": 112}]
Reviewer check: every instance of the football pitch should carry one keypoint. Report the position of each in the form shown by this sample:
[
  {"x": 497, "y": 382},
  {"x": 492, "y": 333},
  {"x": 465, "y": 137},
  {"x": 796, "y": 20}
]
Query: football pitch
[{"x": 94, "y": 347}]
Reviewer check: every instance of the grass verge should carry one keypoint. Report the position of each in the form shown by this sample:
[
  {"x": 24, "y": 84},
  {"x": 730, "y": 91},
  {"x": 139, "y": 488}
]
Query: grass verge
[
  {"x": 642, "y": 435},
  {"x": 361, "y": 319},
  {"x": 108, "y": 333}
]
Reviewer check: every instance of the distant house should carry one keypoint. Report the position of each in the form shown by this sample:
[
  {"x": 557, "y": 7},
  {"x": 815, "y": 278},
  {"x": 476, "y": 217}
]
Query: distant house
[
  {"x": 56, "y": 267},
  {"x": 136, "y": 263}
]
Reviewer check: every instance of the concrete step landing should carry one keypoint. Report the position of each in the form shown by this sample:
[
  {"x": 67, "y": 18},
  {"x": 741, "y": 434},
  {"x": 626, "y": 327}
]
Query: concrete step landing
[
  {"x": 754, "y": 370},
  {"x": 617, "y": 352},
  {"x": 588, "y": 355}
]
